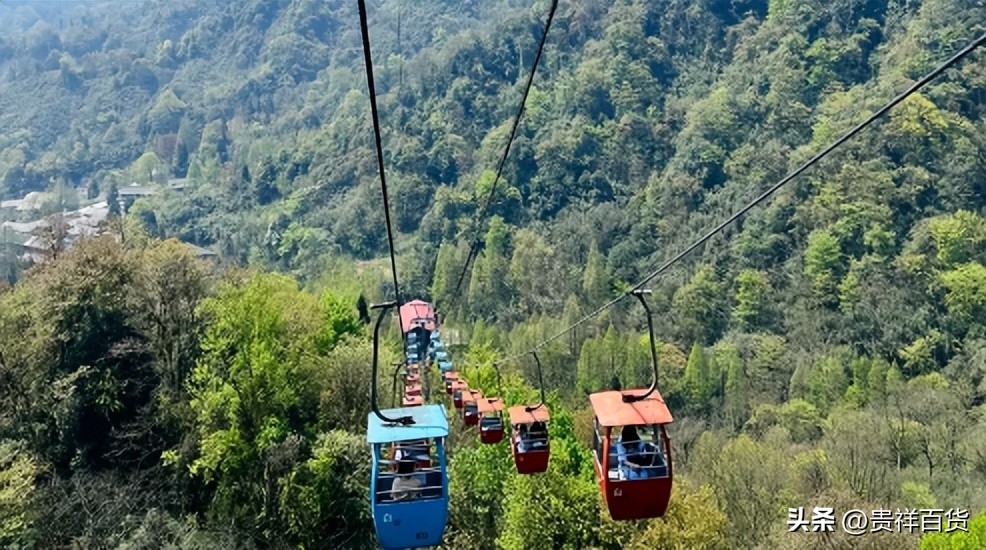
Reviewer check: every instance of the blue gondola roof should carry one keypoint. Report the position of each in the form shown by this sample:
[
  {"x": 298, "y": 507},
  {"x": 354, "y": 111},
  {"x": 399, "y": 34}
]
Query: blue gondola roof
[{"x": 430, "y": 421}]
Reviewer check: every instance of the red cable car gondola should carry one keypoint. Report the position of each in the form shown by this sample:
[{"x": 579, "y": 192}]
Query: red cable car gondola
[
  {"x": 414, "y": 400},
  {"x": 531, "y": 448},
  {"x": 634, "y": 471},
  {"x": 470, "y": 407},
  {"x": 459, "y": 389},
  {"x": 490, "y": 420},
  {"x": 450, "y": 377},
  {"x": 529, "y": 441}
]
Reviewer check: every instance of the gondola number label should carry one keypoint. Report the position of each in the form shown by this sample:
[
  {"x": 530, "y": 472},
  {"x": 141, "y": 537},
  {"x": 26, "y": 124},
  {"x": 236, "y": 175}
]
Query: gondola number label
[{"x": 421, "y": 535}]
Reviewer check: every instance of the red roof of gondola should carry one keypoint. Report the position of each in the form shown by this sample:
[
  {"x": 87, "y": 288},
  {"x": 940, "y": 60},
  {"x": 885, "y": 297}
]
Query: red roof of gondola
[
  {"x": 520, "y": 415},
  {"x": 490, "y": 404},
  {"x": 415, "y": 312},
  {"x": 612, "y": 411}
]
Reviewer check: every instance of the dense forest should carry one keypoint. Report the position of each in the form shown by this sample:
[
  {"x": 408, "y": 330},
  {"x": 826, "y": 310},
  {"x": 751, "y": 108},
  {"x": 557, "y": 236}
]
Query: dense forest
[{"x": 828, "y": 349}]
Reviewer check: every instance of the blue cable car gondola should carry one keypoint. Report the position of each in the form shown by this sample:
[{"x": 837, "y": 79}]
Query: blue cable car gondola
[
  {"x": 409, "y": 491},
  {"x": 414, "y": 514}
]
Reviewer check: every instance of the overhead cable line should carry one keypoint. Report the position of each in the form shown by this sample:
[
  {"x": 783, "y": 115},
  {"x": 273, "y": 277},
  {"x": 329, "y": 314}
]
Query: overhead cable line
[
  {"x": 474, "y": 246},
  {"x": 770, "y": 191},
  {"x": 383, "y": 180}
]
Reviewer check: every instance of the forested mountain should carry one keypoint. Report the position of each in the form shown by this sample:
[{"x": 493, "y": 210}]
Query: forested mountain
[{"x": 828, "y": 349}]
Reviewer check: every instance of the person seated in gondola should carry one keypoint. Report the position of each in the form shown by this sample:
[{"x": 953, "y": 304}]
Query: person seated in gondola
[
  {"x": 416, "y": 451},
  {"x": 538, "y": 435},
  {"x": 533, "y": 437},
  {"x": 406, "y": 485},
  {"x": 634, "y": 458},
  {"x": 523, "y": 439}
]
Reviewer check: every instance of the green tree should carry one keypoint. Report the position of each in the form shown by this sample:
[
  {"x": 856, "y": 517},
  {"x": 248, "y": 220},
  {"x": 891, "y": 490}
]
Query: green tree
[
  {"x": 974, "y": 537},
  {"x": 966, "y": 296},
  {"x": 247, "y": 406},
  {"x": 596, "y": 278},
  {"x": 694, "y": 520},
  {"x": 165, "y": 115},
  {"x": 18, "y": 473},
  {"x": 823, "y": 262},
  {"x": 533, "y": 272},
  {"x": 752, "y": 289},
  {"x": 699, "y": 307},
  {"x": 700, "y": 380}
]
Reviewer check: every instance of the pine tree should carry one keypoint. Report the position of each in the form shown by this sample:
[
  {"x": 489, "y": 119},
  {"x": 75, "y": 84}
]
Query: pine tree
[
  {"x": 595, "y": 278},
  {"x": 180, "y": 165},
  {"x": 698, "y": 376},
  {"x": 113, "y": 200}
]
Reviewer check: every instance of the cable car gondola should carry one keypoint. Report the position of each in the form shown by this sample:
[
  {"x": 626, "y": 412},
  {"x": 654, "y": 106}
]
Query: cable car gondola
[
  {"x": 450, "y": 377},
  {"x": 414, "y": 400},
  {"x": 634, "y": 470},
  {"x": 529, "y": 441},
  {"x": 490, "y": 420},
  {"x": 459, "y": 389},
  {"x": 470, "y": 407},
  {"x": 409, "y": 495},
  {"x": 410, "y": 513}
]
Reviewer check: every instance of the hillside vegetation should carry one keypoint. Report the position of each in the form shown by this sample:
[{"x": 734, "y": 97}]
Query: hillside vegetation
[{"x": 828, "y": 349}]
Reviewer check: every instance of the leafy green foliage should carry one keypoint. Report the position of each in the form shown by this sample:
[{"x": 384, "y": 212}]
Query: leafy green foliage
[
  {"x": 18, "y": 471},
  {"x": 836, "y": 332}
]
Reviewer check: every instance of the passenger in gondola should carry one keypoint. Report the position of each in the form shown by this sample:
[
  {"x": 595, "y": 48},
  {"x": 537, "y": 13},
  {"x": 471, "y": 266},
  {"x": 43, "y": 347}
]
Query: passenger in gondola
[
  {"x": 524, "y": 439},
  {"x": 633, "y": 456},
  {"x": 538, "y": 435},
  {"x": 416, "y": 451},
  {"x": 406, "y": 485}
]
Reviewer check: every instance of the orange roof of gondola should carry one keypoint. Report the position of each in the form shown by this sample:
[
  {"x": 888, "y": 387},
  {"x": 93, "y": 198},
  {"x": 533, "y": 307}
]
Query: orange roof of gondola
[
  {"x": 460, "y": 385},
  {"x": 413, "y": 400},
  {"x": 612, "y": 411},
  {"x": 520, "y": 415},
  {"x": 471, "y": 395},
  {"x": 490, "y": 404}
]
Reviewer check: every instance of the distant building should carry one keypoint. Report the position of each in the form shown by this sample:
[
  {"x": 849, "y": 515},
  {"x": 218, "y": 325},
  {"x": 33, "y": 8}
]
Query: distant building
[
  {"x": 202, "y": 253},
  {"x": 66, "y": 228},
  {"x": 41, "y": 235},
  {"x": 177, "y": 184},
  {"x": 31, "y": 201},
  {"x": 126, "y": 196}
]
